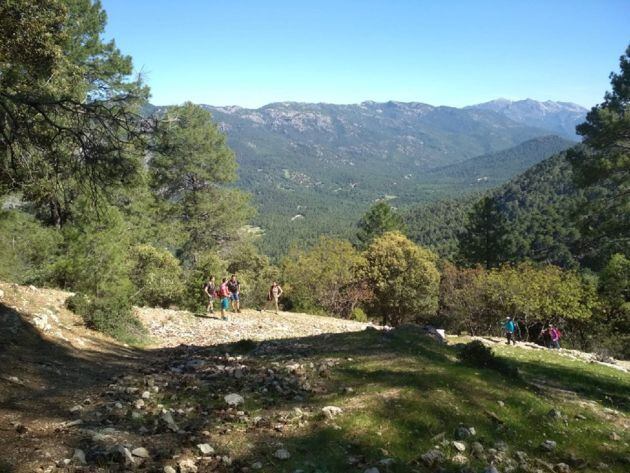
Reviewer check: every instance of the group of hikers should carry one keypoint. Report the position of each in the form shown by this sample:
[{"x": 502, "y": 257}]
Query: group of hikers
[
  {"x": 549, "y": 334},
  {"x": 228, "y": 293}
]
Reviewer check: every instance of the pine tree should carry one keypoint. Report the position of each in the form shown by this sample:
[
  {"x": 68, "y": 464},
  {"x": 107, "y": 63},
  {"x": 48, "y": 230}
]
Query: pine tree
[
  {"x": 68, "y": 106},
  {"x": 378, "y": 220},
  {"x": 485, "y": 239},
  {"x": 602, "y": 166},
  {"x": 191, "y": 165}
]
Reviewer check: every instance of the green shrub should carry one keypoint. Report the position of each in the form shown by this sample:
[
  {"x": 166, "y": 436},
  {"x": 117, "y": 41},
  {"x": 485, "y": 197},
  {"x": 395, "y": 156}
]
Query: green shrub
[
  {"x": 404, "y": 278},
  {"x": 478, "y": 355},
  {"x": 208, "y": 264},
  {"x": 157, "y": 276},
  {"x": 318, "y": 280},
  {"x": 27, "y": 249},
  {"x": 79, "y": 303},
  {"x": 110, "y": 315},
  {"x": 359, "y": 315}
]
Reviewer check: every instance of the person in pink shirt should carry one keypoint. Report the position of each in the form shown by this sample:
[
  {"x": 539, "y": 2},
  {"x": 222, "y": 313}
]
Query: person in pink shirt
[{"x": 554, "y": 335}]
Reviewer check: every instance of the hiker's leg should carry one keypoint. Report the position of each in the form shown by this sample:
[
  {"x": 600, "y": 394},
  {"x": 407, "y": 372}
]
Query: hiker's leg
[{"x": 275, "y": 299}]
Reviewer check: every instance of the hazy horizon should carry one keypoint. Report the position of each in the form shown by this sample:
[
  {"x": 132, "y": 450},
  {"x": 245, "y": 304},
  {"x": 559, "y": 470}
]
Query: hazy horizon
[{"x": 372, "y": 101}]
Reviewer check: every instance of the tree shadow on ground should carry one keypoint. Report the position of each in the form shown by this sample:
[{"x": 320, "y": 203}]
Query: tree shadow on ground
[
  {"x": 406, "y": 390},
  {"x": 615, "y": 394}
]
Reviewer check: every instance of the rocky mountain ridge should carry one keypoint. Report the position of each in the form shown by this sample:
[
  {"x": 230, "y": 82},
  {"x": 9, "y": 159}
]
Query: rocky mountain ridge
[{"x": 559, "y": 117}]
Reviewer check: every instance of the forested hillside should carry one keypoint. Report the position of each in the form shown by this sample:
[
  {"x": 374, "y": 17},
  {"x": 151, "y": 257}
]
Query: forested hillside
[
  {"x": 493, "y": 169},
  {"x": 298, "y": 216},
  {"x": 314, "y": 166},
  {"x": 536, "y": 208}
]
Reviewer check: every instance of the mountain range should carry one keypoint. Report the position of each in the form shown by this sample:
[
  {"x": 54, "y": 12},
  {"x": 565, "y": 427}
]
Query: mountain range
[
  {"x": 558, "y": 117},
  {"x": 314, "y": 168}
]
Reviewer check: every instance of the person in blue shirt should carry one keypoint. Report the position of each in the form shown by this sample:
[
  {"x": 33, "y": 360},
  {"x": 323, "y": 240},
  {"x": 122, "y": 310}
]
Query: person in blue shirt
[{"x": 509, "y": 330}]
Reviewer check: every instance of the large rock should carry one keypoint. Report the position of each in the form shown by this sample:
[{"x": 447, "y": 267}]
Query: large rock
[
  {"x": 234, "y": 399},
  {"x": 187, "y": 465},
  {"x": 121, "y": 455},
  {"x": 459, "y": 459},
  {"x": 459, "y": 446},
  {"x": 79, "y": 456},
  {"x": 282, "y": 454},
  {"x": 554, "y": 414},
  {"x": 548, "y": 445},
  {"x": 477, "y": 449},
  {"x": 205, "y": 448},
  {"x": 462, "y": 432},
  {"x": 140, "y": 452},
  {"x": 331, "y": 411},
  {"x": 167, "y": 418},
  {"x": 432, "y": 458}
]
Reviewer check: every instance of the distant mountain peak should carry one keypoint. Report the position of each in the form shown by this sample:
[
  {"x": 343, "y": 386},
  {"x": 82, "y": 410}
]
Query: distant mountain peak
[{"x": 560, "y": 117}]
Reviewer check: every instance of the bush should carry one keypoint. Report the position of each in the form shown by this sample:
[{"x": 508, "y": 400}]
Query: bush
[
  {"x": 157, "y": 277},
  {"x": 208, "y": 264},
  {"x": 359, "y": 315},
  {"x": 27, "y": 249},
  {"x": 79, "y": 303},
  {"x": 404, "y": 278},
  {"x": 324, "y": 278},
  {"x": 478, "y": 355},
  {"x": 110, "y": 315}
]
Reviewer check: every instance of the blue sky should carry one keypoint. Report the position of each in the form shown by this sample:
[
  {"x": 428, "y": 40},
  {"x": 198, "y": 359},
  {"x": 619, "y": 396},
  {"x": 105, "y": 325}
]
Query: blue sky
[{"x": 451, "y": 52}]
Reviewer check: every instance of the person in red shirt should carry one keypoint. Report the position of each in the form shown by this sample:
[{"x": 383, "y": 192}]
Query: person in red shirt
[{"x": 224, "y": 294}]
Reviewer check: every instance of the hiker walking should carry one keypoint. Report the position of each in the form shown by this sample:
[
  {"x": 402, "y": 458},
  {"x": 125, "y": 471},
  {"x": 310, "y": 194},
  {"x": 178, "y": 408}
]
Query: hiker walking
[
  {"x": 275, "y": 291},
  {"x": 235, "y": 292},
  {"x": 210, "y": 290},
  {"x": 554, "y": 336},
  {"x": 509, "y": 330},
  {"x": 224, "y": 294}
]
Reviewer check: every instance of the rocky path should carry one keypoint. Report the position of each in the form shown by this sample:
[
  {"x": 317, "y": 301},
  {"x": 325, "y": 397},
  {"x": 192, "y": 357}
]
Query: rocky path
[
  {"x": 576, "y": 355},
  {"x": 74, "y": 400},
  {"x": 170, "y": 328}
]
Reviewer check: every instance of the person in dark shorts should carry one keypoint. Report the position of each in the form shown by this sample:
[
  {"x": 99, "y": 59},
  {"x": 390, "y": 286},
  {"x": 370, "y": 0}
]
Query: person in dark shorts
[
  {"x": 509, "y": 330},
  {"x": 210, "y": 290},
  {"x": 235, "y": 293}
]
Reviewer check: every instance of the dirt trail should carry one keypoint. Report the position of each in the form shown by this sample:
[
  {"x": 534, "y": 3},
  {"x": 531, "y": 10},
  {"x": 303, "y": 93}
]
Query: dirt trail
[
  {"x": 170, "y": 328},
  {"x": 56, "y": 375}
]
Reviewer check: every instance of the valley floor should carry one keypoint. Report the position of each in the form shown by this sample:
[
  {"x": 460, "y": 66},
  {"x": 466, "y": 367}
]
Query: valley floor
[{"x": 288, "y": 393}]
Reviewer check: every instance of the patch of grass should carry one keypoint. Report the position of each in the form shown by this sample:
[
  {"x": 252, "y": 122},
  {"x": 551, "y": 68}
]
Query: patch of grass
[{"x": 410, "y": 394}]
